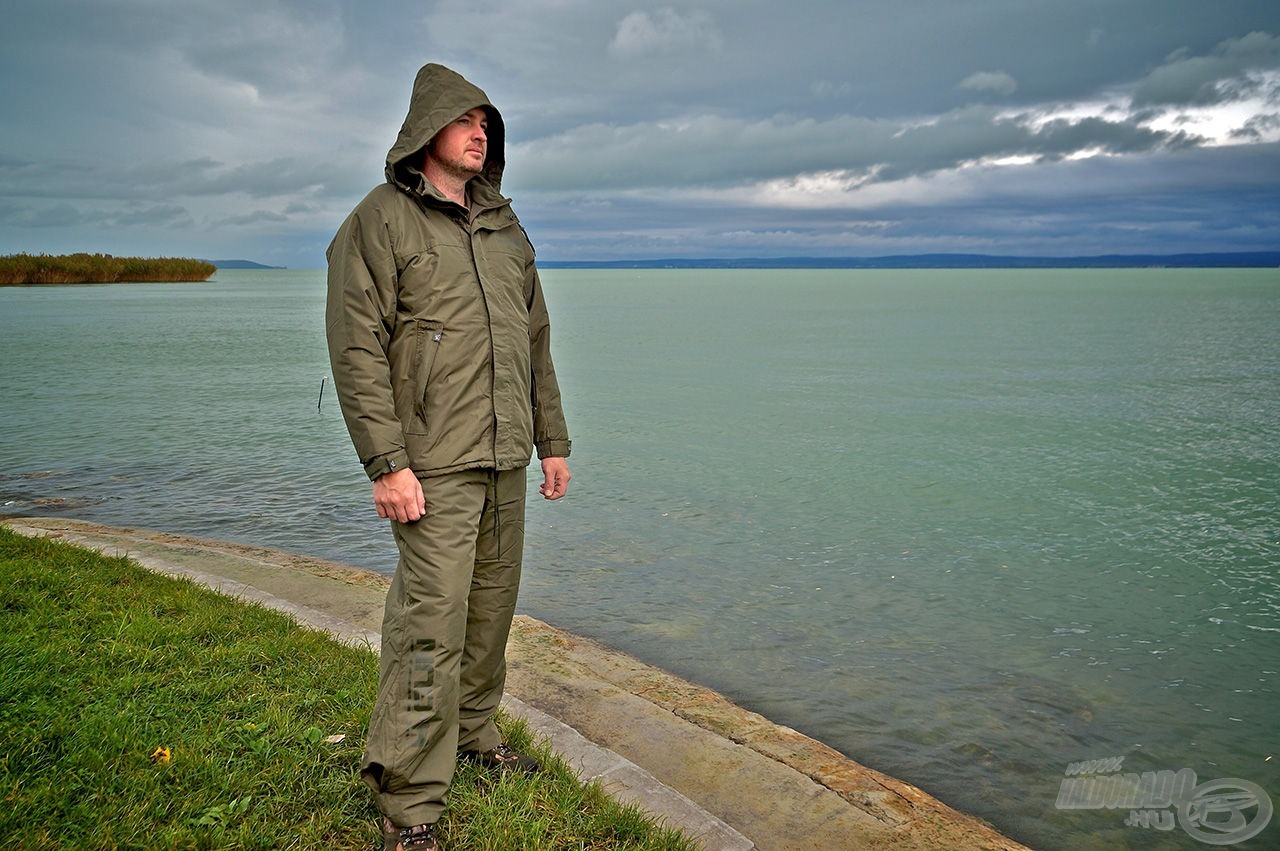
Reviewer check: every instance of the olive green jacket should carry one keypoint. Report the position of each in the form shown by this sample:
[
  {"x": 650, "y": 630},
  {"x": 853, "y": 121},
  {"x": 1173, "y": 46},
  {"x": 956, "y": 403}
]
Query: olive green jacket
[{"x": 438, "y": 333}]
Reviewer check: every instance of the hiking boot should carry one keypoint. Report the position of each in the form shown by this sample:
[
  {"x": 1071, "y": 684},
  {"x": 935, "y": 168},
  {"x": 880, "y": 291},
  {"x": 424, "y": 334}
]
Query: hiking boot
[
  {"x": 502, "y": 757},
  {"x": 420, "y": 837}
]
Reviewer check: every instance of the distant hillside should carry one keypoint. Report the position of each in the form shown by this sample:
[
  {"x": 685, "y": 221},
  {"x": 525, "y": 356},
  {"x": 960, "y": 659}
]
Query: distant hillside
[
  {"x": 1217, "y": 260},
  {"x": 242, "y": 264}
]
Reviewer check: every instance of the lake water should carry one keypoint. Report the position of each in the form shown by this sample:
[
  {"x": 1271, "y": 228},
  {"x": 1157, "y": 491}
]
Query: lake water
[{"x": 967, "y": 527}]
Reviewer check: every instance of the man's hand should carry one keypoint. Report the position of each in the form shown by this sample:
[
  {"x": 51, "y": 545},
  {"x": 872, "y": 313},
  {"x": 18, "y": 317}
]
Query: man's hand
[
  {"x": 555, "y": 481},
  {"x": 398, "y": 496}
]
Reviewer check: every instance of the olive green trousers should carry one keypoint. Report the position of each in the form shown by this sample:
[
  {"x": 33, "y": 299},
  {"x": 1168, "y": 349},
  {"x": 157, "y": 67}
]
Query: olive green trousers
[{"x": 444, "y": 638}]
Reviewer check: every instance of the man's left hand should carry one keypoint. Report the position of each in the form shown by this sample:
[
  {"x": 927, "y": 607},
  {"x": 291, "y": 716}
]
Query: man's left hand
[{"x": 555, "y": 478}]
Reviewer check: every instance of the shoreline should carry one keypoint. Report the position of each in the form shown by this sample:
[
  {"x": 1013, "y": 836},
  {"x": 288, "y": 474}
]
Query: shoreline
[{"x": 766, "y": 782}]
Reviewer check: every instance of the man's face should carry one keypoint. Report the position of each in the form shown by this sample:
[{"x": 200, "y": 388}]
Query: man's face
[{"x": 461, "y": 146}]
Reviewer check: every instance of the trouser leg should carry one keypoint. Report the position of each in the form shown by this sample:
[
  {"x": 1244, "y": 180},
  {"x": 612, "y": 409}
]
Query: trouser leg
[
  {"x": 411, "y": 748},
  {"x": 494, "y": 586}
]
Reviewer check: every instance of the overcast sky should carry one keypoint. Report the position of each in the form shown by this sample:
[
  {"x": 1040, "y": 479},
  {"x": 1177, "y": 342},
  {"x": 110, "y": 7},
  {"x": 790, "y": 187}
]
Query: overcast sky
[{"x": 713, "y": 128}]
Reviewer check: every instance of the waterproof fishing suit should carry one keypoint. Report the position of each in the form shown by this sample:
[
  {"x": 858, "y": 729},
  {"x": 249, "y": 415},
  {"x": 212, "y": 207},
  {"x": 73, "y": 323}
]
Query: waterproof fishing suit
[{"x": 440, "y": 348}]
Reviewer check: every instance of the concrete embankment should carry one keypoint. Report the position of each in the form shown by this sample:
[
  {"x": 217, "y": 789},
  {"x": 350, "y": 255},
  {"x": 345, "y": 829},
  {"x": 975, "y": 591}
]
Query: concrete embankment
[{"x": 727, "y": 776}]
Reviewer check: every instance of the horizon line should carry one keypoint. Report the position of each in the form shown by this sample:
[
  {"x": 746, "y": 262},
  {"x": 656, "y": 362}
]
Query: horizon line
[{"x": 1204, "y": 259}]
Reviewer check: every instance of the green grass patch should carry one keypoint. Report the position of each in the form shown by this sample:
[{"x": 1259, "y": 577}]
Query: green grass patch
[{"x": 141, "y": 711}]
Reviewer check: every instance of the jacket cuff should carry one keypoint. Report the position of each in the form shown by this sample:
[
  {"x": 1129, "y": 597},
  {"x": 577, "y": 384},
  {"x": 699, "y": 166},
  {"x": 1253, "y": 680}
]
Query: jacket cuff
[
  {"x": 389, "y": 463},
  {"x": 553, "y": 449}
]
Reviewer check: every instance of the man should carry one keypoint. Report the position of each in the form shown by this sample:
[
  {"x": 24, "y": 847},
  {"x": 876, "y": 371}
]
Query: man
[{"x": 440, "y": 347}]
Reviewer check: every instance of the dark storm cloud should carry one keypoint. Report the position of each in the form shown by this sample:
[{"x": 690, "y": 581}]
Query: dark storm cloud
[
  {"x": 230, "y": 127},
  {"x": 1190, "y": 199}
]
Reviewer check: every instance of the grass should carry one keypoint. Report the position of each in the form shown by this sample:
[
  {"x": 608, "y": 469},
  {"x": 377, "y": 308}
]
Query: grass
[
  {"x": 141, "y": 711},
  {"x": 99, "y": 269}
]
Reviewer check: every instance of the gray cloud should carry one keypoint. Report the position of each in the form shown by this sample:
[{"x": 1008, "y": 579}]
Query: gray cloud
[
  {"x": 663, "y": 31},
  {"x": 254, "y": 218},
  {"x": 992, "y": 81},
  {"x": 1258, "y": 128},
  {"x": 279, "y": 178},
  {"x": 165, "y": 215},
  {"x": 1235, "y": 70},
  {"x": 715, "y": 151},
  {"x": 39, "y": 215}
]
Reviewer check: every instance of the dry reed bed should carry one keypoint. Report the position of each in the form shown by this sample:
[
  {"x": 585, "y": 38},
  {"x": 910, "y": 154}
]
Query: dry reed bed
[{"x": 99, "y": 269}]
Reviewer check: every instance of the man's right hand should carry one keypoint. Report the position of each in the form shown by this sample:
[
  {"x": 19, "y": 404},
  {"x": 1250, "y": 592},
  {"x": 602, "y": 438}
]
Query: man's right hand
[{"x": 398, "y": 496}]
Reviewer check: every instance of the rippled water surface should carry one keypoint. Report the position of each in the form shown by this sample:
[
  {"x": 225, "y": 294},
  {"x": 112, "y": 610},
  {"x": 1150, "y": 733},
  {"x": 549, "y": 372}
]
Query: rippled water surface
[{"x": 965, "y": 526}]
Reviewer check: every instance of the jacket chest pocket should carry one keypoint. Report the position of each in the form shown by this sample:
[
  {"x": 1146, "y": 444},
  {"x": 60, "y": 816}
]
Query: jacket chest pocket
[
  {"x": 502, "y": 258},
  {"x": 427, "y": 333}
]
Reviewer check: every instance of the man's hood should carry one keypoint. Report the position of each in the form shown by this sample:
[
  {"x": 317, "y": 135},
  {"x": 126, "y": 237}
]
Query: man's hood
[{"x": 441, "y": 95}]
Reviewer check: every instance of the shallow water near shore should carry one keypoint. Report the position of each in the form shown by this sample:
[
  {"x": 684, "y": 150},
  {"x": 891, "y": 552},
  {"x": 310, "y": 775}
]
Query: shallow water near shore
[{"x": 967, "y": 527}]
